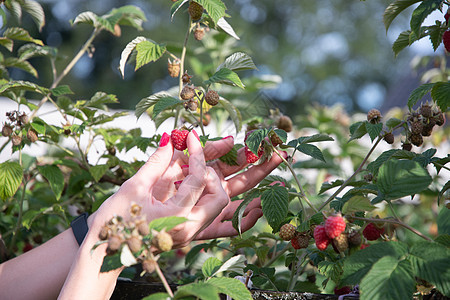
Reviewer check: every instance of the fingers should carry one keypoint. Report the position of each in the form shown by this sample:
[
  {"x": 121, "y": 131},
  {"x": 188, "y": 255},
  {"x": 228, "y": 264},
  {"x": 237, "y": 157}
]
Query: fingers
[
  {"x": 248, "y": 179},
  {"x": 216, "y": 149},
  {"x": 156, "y": 165}
]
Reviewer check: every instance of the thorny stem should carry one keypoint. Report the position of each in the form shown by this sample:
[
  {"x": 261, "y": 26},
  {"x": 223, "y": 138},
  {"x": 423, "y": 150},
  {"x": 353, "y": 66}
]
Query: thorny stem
[
  {"x": 394, "y": 221},
  {"x": 164, "y": 281},
  {"x": 346, "y": 182}
]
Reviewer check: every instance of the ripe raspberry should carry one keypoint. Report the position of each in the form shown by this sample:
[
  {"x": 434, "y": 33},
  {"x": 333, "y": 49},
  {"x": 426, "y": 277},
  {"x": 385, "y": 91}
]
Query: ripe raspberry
[
  {"x": 285, "y": 123},
  {"x": 149, "y": 265},
  {"x": 416, "y": 139},
  {"x": 187, "y": 93},
  {"x": 354, "y": 238},
  {"x": 389, "y": 138},
  {"x": 186, "y": 78},
  {"x": 300, "y": 241},
  {"x": 7, "y": 130},
  {"x": 340, "y": 243},
  {"x": 334, "y": 226},
  {"x": 287, "y": 232},
  {"x": 425, "y": 110},
  {"x": 134, "y": 243},
  {"x": 163, "y": 241},
  {"x": 173, "y": 68},
  {"x": 32, "y": 135},
  {"x": 439, "y": 118},
  {"x": 374, "y": 116},
  {"x": 199, "y": 33},
  {"x": 252, "y": 157},
  {"x": 195, "y": 10},
  {"x": 179, "y": 138},
  {"x": 446, "y": 40},
  {"x": 16, "y": 140},
  {"x": 275, "y": 139},
  {"x": 212, "y": 98},
  {"x": 372, "y": 232},
  {"x": 321, "y": 237},
  {"x": 407, "y": 146}
]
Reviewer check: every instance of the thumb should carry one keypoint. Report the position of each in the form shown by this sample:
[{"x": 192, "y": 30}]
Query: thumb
[{"x": 157, "y": 163}]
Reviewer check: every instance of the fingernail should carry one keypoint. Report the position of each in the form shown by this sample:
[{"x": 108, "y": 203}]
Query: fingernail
[
  {"x": 184, "y": 166},
  {"x": 177, "y": 183},
  {"x": 227, "y": 137},
  {"x": 284, "y": 153},
  {"x": 164, "y": 140},
  {"x": 196, "y": 135}
]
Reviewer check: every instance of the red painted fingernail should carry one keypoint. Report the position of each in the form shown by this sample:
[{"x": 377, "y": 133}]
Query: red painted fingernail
[
  {"x": 196, "y": 135},
  {"x": 227, "y": 137},
  {"x": 164, "y": 140},
  {"x": 184, "y": 166},
  {"x": 177, "y": 183}
]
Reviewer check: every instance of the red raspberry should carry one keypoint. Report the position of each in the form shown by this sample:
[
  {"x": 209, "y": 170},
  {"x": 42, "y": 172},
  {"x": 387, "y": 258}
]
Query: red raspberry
[
  {"x": 372, "y": 232},
  {"x": 179, "y": 138},
  {"x": 321, "y": 237},
  {"x": 27, "y": 247},
  {"x": 334, "y": 226},
  {"x": 287, "y": 232},
  {"x": 446, "y": 40},
  {"x": 300, "y": 240},
  {"x": 252, "y": 157}
]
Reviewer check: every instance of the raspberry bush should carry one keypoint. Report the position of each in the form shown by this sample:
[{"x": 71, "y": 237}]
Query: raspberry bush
[{"x": 380, "y": 228}]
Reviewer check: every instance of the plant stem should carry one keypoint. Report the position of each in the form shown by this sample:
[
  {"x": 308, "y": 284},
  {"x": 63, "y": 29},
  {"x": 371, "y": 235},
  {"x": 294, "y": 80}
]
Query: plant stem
[
  {"x": 164, "y": 281},
  {"x": 297, "y": 272},
  {"x": 19, "y": 218},
  {"x": 394, "y": 221},
  {"x": 293, "y": 271},
  {"x": 275, "y": 257},
  {"x": 346, "y": 182}
]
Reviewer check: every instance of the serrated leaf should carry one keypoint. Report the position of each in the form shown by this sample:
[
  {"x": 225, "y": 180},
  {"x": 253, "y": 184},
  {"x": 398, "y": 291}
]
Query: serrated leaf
[
  {"x": 111, "y": 262},
  {"x": 274, "y": 204},
  {"x": 98, "y": 171},
  {"x": 148, "y": 102},
  {"x": 166, "y": 223},
  {"x": 210, "y": 266},
  {"x": 36, "y": 12},
  {"x": 192, "y": 254},
  {"x": 435, "y": 32},
  {"x": 393, "y": 122},
  {"x": 443, "y": 221},
  {"x": 147, "y": 52},
  {"x": 231, "y": 287},
  {"x": 237, "y": 62},
  {"x": 374, "y": 166},
  {"x": 231, "y": 157},
  {"x": 357, "y": 203},
  {"x": 419, "y": 93},
  {"x": 388, "y": 279},
  {"x": 200, "y": 290},
  {"x": 86, "y": 17},
  {"x": 7, "y": 43},
  {"x": 20, "y": 34},
  {"x": 374, "y": 130},
  {"x": 441, "y": 95},
  {"x": 21, "y": 64},
  {"x": 101, "y": 98},
  {"x": 61, "y": 90},
  {"x": 223, "y": 24},
  {"x": 127, "y": 51},
  {"x": 234, "y": 264},
  {"x": 237, "y": 216},
  {"x": 402, "y": 41},
  {"x": 327, "y": 185},
  {"x": 329, "y": 269},
  {"x": 281, "y": 134},
  {"x": 175, "y": 7},
  {"x": 23, "y": 85},
  {"x": 55, "y": 178},
  {"x": 399, "y": 178},
  {"x": 233, "y": 112},
  {"x": 314, "y": 138},
  {"x": 157, "y": 296},
  {"x": 357, "y": 130},
  {"x": 225, "y": 76},
  {"x": 255, "y": 138},
  {"x": 445, "y": 188},
  {"x": 311, "y": 150},
  {"x": 421, "y": 12},
  {"x": 164, "y": 103},
  {"x": 394, "y": 9},
  {"x": 11, "y": 175},
  {"x": 214, "y": 8}
]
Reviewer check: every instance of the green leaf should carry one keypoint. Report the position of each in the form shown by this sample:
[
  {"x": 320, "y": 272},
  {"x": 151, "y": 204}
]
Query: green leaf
[
  {"x": 36, "y": 12},
  {"x": 23, "y": 85},
  {"x": 61, "y": 90},
  {"x": 164, "y": 103},
  {"x": 157, "y": 296},
  {"x": 214, "y": 8},
  {"x": 357, "y": 203},
  {"x": 148, "y": 51},
  {"x": 237, "y": 62},
  {"x": 445, "y": 188},
  {"x": 435, "y": 32},
  {"x": 443, "y": 239},
  {"x": 20, "y": 34},
  {"x": 431, "y": 262},
  {"x": 388, "y": 279},
  {"x": 7, "y": 43},
  {"x": 234, "y": 264},
  {"x": 441, "y": 95},
  {"x": 166, "y": 223},
  {"x": 274, "y": 204},
  {"x": 314, "y": 138},
  {"x": 55, "y": 177},
  {"x": 418, "y": 94},
  {"x": 329, "y": 269},
  {"x": 393, "y": 122},
  {"x": 281, "y": 134},
  {"x": 127, "y": 51},
  {"x": 402, "y": 41},
  {"x": 11, "y": 174},
  {"x": 375, "y": 165},
  {"x": 210, "y": 266},
  {"x": 146, "y": 103},
  {"x": 87, "y": 17},
  {"x": 98, "y": 171},
  {"x": 231, "y": 157},
  {"x": 175, "y": 7},
  {"x": 225, "y": 26},
  {"x": 443, "y": 221},
  {"x": 311, "y": 150},
  {"x": 201, "y": 290},
  {"x": 231, "y": 287},
  {"x": 233, "y": 112},
  {"x": 394, "y": 9},
  {"x": 374, "y": 130},
  {"x": 255, "y": 138},
  {"x": 111, "y": 262},
  {"x": 21, "y": 64},
  {"x": 357, "y": 130},
  {"x": 99, "y": 99},
  {"x": 192, "y": 254},
  {"x": 421, "y": 12},
  {"x": 225, "y": 76},
  {"x": 237, "y": 216},
  {"x": 327, "y": 185},
  {"x": 357, "y": 265},
  {"x": 399, "y": 178}
]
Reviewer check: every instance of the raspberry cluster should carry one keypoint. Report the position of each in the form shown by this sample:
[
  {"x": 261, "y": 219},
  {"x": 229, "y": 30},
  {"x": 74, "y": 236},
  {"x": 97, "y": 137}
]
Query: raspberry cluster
[
  {"x": 421, "y": 123},
  {"x": 18, "y": 121}
]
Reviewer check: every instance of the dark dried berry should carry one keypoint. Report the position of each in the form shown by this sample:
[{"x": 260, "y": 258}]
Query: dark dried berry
[
  {"x": 134, "y": 243},
  {"x": 212, "y": 97},
  {"x": 416, "y": 127},
  {"x": 23, "y": 119},
  {"x": 354, "y": 238},
  {"x": 368, "y": 177},
  {"x": 428, "y": 129},
  {"x": 142, "y": 228},
  {"x": 425, "y": 110},
  {"x": 340, "y": 243},
  {"x": 187, "y": 92},
  {"x": 173, "y": 68},
  {"x": 192, "y": 105},
  {"x": 439, "y": 118},
  {"x": 416, "y": 139},
  {"x": 285, "y": 123},
  {"x": 374, "y": 116},
  {"x": 407, "y": 146},
  {"x": 104, "y": 233},
  {"x": 300, "y": 240},
  {"x": 114, "y": 243},
  {"x": 389, "y": 138},
  {"x": 149, "y": 265},
  {"x": 199, "y": 33},
  {"x": 195, "y": 11},
  {"x": 186, "y": 78},
  {"x": 16, "y": 140},
  {"x": 7, "y": 130}
]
